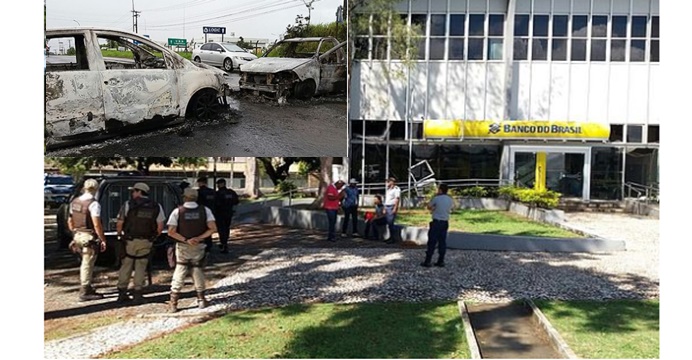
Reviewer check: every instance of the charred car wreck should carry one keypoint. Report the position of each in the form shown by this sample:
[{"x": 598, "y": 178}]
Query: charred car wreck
[
  {"x": 300, "y": 67},
  {"x": 89, "y": 96}
]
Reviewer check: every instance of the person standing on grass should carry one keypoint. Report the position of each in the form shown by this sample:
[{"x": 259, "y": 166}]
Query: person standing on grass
[
  {"x": 440, "y": 206},
  {"x": 332, "y": 197},
  {"x": 391, "y": 205},
  {"x": 350, "y": 206}
]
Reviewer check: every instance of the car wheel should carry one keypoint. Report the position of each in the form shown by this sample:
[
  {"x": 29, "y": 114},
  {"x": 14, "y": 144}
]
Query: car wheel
[
  {"x": 304, "y": 90},
  {"x": 228, "y": 65},
  {"x": 204, "y": 106},
  {"x": 197, "y": 59}
]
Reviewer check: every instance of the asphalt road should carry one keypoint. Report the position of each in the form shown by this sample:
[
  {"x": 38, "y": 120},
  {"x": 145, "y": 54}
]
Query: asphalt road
[
  {"x": 317, "y": 128},
  {"x": 298, "y": 128}
]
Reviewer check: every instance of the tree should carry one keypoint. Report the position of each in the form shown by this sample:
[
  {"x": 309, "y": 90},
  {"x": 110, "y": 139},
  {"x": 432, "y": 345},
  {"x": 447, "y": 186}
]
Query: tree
[
  {"x": 325, "y": 180},
  {"x": 78, "y": 166},
  {"x": 243, "y": 44},
  {"x": 277, "y": 168},
  {"x": 308, "y": 4},
  {"x": 251, "y": 178},
  {"x": 191, "y": 162}
]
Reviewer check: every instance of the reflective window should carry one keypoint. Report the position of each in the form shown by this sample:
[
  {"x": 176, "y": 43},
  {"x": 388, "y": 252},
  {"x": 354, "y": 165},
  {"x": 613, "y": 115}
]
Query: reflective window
[
  {"x": 540, "y": 25},
  {"x": 437, "y": 48},
  {"x": 496, "y": 25},
  {"x": 438, "y": 25},
  {"x": 456, "y": 24},
  {"x": 578, "y": 50},
  {"x": 634, "y": 133},
  {"x": 495, "y": 48},
  {"x": 598, "y": 50},
  {"x": 652, "y": 132},
  {"x": 521, "y": 48},
  {"x": 476, "y": 25},
  {"x": 618, "y": 50},
  {"x": 521, "y": 25},
  {"x": 456, "y": 49},
  {"x": 476, "y": 48},
  {"x": 560, "y": 25},
  {"x": 559, "y": 50},
  {"x": 654, "y": 27},
  {"x": 638, "y": 26},
  {"x": 579, "y": 25},
  {"x": 619, "y": 27},
  {"x": 654, "y": 51},
  {"x": 539, "y": 49},
  {"x": 599, "y": 26},
  {"x": 419, "y": 20},
  {"x": 637, "y": 50}
]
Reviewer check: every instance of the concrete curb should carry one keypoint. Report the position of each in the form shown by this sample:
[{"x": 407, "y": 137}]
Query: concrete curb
[
  {"x": 468, "y": 330},
  {"x": 555, "y": 339},
  {"x": 308, "y": 219}
]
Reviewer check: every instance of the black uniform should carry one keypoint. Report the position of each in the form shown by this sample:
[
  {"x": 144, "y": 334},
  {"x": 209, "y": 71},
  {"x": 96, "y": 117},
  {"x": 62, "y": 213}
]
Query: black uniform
[
  {"x": 226, "y": 199},
  {"x": 206, "y": 197}
]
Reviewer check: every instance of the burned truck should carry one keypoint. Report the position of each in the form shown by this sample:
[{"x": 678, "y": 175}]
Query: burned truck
[
  {"x": 89, "y": 95},
  {"x": 299, "y": 67}
]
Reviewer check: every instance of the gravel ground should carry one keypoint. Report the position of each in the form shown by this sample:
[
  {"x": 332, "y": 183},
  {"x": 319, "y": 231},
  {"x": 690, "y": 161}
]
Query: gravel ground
[{"x": 315, "y": 275}]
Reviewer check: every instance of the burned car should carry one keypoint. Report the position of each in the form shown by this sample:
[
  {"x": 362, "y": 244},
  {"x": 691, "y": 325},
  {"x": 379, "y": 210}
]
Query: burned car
[
  {"x": 89, "y": 95},
  {"x": 300, "y": 67}
]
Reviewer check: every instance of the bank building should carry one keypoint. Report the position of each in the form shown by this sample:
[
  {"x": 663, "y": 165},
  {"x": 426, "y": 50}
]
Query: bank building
[{"x": 561, "y": 94}]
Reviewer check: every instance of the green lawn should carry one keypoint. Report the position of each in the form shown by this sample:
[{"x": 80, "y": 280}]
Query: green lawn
[
  {"x": 607, "y": 330},
  {"x": 391, "y": 330},
  {"x": 486, "y": 222}
]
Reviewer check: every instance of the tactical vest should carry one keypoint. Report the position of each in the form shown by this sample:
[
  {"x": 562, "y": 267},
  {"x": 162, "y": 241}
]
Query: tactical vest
[
  {"x": 81, "y": 217},
  {"x": 206, "y": 197},
  {"x": 192, "y": 222},
  {"x": 225, "y": 201},
  {"x": 140, "y": 221}
]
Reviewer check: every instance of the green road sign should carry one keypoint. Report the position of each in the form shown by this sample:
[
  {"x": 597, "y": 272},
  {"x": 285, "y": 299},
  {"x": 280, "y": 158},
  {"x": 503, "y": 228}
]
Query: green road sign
[{"x": 177, "y": 42}]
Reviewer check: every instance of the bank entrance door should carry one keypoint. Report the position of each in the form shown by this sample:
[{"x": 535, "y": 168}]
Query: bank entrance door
[{"x": 566, "y": 170}]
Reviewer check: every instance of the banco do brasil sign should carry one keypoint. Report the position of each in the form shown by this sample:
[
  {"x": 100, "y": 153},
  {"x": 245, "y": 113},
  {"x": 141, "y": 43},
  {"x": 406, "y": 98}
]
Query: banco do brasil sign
[{"x": 515, "y": 129}]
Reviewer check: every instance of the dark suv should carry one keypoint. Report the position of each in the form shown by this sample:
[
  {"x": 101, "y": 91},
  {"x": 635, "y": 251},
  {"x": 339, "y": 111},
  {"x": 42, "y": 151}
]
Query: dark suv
[{"x": 112, "y": 193}]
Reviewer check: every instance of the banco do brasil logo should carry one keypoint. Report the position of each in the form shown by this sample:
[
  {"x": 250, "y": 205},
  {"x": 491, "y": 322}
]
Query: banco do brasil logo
[{"x": 494, "y": 128}]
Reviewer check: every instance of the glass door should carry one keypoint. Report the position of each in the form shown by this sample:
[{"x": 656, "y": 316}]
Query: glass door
[
  {"x": 564, "y": 174},
  {"x": 525, "y": 169}
]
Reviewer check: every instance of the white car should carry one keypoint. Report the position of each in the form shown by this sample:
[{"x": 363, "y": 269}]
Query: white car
[
  {"x": 227, "y": 56},
  {"x": 89, "y": 95}
]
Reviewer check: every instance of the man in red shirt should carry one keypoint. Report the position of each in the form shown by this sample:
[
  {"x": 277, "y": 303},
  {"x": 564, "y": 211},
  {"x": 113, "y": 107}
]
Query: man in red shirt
[{"x": 332, "y": 198}]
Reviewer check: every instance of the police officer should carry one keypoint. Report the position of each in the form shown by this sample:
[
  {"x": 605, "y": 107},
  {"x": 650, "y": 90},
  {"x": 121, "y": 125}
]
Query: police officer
[
  {"x": 88, "y": 237},
  {"x": 226, "y": 199},
  {"x": 140, "y": 221},
  {"x": 206, "y": 197},
  {"x": 189, "y": 225}
]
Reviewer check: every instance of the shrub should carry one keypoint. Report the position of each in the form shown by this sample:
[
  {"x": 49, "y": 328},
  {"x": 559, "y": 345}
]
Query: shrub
[
  {"x": 474, "y": 191},
  {"x": 541, "y": 198},
  {"x": 285, "y": 186}
]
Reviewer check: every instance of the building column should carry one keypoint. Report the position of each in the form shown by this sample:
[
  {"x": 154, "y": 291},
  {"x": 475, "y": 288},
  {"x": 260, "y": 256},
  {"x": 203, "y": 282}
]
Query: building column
[
  {"x": 541, "y": 162},
  {"x": 508, "y": 55}
]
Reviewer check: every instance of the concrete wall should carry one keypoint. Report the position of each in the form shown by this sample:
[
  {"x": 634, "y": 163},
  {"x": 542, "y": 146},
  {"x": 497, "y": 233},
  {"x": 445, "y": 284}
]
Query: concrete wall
[{"x": 307, "y": 219}]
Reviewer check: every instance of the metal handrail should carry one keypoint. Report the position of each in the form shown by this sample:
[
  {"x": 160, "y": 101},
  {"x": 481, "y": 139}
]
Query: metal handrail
[{"x": 650, "y": 192}]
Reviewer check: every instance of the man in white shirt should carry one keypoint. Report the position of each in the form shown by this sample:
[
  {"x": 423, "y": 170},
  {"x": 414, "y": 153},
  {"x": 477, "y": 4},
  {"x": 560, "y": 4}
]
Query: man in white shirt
[
  {"x": 440, "y": 207},
  {"x": 391, "y": 205},
  {"x": 88, "y": 236},
  {"x": 189, "y": 225}
]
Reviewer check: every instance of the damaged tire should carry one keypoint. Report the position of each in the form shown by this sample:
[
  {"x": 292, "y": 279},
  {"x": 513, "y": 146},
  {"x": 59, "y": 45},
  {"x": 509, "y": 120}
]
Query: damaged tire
[
  {"x": 197, "y": 59},
  {"x": 228, "y": 65},
  {"x": 304, "y": 90},
  {"x": 204, "y": 106}
]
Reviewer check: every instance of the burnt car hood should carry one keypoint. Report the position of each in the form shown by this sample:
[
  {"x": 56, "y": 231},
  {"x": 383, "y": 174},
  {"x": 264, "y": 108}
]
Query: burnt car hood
[{"x": 270, "y": 65}]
